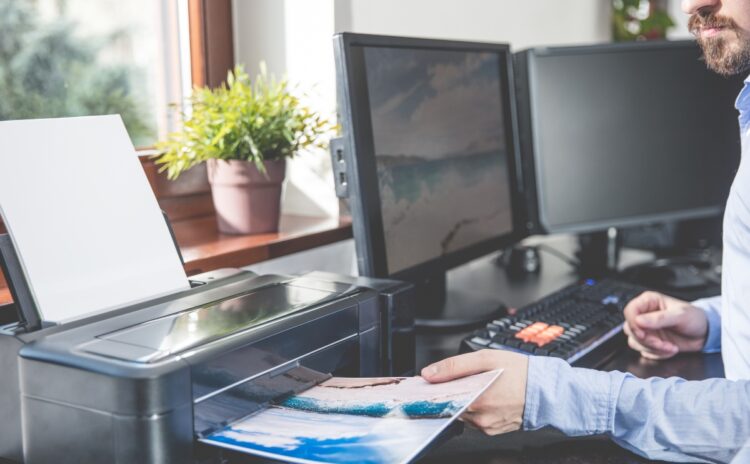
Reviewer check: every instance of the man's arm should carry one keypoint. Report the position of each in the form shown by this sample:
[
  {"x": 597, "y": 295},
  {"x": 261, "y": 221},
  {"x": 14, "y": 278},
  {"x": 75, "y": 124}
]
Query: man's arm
[{"x": 668, "y": 419}]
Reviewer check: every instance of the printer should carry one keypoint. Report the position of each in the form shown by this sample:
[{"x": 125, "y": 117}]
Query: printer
[{"x": 144, "y": 383}]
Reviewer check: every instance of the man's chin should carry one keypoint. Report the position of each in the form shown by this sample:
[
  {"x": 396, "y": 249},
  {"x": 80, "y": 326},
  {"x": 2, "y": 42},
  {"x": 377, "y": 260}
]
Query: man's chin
[{"x": 727, "y": 57}]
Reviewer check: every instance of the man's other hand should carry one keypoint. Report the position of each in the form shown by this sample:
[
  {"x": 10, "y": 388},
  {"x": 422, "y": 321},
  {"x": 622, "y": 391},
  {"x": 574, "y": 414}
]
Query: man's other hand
[
  {"x": 659, "y": 326},
  {"x": 500, "y": 408}
]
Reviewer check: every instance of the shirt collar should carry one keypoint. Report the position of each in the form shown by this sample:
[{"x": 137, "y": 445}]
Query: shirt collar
[{"x": 743, "y": 105}]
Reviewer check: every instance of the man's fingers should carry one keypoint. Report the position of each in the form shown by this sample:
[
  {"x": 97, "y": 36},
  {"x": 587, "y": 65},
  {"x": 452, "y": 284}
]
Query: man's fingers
[
  {"x": 644, "y": 303},
  {"x": 658, "y": 320},
  {"x": 649, "y": 352},
  {"x": 633, "y": 331},
  {"x": 653, "y": 344},
  {"x": 458, "y": 366},
  {"x": 657, "y": 343}
]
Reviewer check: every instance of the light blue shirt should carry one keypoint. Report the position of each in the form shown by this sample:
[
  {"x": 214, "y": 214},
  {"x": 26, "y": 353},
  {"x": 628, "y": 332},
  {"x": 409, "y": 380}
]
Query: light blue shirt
[
  {"x": 670, "y": 419},
  {"x": 728, "y": 315}
]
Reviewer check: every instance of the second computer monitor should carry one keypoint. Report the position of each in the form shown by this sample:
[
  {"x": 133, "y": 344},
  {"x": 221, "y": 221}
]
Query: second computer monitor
[
  {"x": 621, "y": 135},
  {"x": 430, "y": 129}
]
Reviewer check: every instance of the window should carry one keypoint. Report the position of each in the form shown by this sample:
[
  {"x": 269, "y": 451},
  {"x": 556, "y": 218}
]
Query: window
[{"x": 78, "y": 57}]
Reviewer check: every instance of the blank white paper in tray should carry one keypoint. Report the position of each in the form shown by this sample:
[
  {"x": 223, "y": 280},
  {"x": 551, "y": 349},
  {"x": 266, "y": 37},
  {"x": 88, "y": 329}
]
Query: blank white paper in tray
[{"x": 84, "y": 220}]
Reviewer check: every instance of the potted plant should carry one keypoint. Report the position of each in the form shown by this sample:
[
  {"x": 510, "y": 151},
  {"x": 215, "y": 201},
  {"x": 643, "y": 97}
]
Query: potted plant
[{"x": 244, "y": 131}]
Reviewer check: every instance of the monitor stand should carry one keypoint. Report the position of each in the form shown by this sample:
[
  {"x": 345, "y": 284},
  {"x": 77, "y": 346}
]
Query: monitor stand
[
  {"x": 598, "y": 253},
  {"x": 440, "y": 306}
]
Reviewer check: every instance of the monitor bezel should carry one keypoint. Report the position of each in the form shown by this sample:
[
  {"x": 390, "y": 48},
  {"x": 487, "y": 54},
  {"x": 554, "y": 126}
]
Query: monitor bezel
[
  {"x": 538, "y": 221},
  {"x": 356, "y": 130}
]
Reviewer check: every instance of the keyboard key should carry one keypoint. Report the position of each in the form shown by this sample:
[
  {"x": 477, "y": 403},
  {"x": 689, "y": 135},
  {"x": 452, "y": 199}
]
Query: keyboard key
[
  {"x": 528, "y": 347},
  {"x": 538, "y": 326},
  {"x": 500, "y": 339},
  {"x": 480, "y": 341}
]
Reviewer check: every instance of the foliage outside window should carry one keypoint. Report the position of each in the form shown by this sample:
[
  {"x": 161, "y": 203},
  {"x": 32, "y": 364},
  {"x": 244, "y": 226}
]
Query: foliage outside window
[{"x": 75, "y": 57}]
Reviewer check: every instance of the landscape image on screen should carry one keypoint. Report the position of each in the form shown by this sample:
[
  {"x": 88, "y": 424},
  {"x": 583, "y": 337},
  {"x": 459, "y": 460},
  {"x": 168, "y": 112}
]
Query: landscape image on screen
[{"x": 440, "y": 147}]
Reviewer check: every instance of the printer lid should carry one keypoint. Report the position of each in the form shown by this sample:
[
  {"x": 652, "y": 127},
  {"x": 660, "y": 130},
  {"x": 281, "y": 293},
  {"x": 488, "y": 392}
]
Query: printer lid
[{"x": 179, "y": 332}]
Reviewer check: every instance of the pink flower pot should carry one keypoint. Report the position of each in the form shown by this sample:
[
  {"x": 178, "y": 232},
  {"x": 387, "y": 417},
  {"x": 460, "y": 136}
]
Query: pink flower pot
[{"x": 246, "y": 200}]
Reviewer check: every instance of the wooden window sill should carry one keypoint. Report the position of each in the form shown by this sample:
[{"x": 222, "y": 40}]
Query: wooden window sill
[{"x": 205, "y": 249}]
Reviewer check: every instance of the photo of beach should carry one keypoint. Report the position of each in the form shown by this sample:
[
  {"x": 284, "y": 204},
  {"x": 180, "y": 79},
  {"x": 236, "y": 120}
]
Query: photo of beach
[{"x": 376, "y": 421}]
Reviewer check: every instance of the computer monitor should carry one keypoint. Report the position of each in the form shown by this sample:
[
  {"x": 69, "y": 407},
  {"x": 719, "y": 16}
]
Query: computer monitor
[
  {"x": 429, "y": 131},
  {"x": 622, "y": 135}
]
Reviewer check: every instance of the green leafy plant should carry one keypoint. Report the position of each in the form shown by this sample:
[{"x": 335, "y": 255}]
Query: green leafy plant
[
  {"x": 242, "y": 120},
  {"x": 640, "y": 20}
]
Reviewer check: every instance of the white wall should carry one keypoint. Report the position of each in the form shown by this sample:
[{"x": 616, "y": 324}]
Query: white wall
[
  {"x": 523, "y": 23},
  {"x": 680, "y": 31}
]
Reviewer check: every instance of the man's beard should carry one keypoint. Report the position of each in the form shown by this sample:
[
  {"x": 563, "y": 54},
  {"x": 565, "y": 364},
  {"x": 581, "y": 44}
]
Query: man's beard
[{"x": 720, "y": 55}]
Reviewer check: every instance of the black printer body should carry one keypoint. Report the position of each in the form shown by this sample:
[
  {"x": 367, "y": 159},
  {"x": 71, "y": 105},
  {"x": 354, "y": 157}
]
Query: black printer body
[{"x": 145, "y": 383}]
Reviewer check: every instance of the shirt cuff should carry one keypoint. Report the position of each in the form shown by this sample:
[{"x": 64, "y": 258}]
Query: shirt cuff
[
  {"x": 710, "y": 307},
  {"x": 575, "y": 401}
]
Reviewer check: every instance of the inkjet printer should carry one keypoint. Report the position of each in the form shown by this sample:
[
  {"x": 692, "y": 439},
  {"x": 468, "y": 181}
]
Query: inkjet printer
[{"x": 144, "y": 383}]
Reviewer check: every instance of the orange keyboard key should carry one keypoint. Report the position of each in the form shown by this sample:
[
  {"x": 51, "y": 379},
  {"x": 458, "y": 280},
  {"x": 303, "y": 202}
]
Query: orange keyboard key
[
  {"x": 540, "y": 333},
  {"x": 556, "y": 329},
  {"x": 524, "y": 335},
  {"x": 537, "y": 326}
]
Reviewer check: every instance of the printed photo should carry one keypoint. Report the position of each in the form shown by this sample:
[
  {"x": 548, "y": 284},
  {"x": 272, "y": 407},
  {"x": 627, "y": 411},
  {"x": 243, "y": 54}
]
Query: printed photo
[{"x": 375, "y": 420}]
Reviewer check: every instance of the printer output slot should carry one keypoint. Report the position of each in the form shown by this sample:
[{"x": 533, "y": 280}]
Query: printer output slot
[
  {"x": 215, "y": 412},
  {"x": 277, "y": 349}
]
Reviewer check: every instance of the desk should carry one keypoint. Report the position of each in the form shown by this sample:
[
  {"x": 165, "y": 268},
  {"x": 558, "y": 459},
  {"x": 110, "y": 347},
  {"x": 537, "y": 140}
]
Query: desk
[{"x": 546, "y": 446}]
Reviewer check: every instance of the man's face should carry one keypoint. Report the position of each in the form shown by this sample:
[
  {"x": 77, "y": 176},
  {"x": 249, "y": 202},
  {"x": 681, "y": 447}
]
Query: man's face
[{"x": 722, "y": 29}]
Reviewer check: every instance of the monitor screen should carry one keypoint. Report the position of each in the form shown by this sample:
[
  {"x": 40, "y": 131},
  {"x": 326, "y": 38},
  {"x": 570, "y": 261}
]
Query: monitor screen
[
  {"x": 440, "y": 139},
  {"x": 624, "y": 135}
]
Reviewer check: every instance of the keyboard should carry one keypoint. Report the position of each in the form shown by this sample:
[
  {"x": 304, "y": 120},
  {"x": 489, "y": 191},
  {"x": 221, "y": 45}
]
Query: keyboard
[{"x": 567, "y": 324}]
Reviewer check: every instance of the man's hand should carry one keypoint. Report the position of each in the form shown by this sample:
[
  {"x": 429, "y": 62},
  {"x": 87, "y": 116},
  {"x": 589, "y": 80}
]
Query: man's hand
[
  {"x": 660, "y": 326},
  {"x": 500, "y": 408}
]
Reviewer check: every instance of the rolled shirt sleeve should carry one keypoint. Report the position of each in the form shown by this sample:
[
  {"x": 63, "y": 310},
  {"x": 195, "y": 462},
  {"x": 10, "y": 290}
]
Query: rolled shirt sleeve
[
  {"x": 712, "y": 308},
  {"x": 668, "y": 419}
]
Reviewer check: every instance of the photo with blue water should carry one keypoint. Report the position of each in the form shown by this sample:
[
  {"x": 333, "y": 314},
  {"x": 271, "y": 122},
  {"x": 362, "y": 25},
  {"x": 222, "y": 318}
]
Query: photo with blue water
[{"x": 355, "y": 420}]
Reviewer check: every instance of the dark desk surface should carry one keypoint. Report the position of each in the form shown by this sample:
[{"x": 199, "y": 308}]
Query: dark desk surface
[{"x": 546, "y": 446}]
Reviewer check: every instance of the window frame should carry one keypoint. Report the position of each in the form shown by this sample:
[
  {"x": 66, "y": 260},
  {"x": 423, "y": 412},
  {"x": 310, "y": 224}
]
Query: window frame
[{"x": 211, "y": 41}]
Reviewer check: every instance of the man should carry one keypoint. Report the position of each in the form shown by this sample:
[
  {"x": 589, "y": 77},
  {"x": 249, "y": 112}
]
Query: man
[{"x": 669, "y": 419}]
